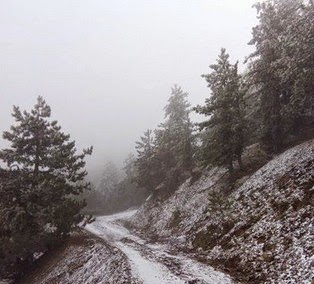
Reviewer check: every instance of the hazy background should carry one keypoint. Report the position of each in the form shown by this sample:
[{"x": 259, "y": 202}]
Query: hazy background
[{"x": 106, "y": 66}]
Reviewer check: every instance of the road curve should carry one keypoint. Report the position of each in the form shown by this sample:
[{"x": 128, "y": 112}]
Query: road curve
[{"x": 151, "y": 263}]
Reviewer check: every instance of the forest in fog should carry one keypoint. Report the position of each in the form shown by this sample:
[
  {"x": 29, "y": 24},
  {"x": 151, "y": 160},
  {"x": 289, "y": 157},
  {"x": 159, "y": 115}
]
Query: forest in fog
[
  {"x": 271, "y": 102},
  {"x": 45, "y": 191}
]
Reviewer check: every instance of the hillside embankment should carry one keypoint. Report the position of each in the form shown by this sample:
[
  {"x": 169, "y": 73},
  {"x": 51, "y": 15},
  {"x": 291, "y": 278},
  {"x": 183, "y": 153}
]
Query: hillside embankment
[{"x": 260, "y": 230}]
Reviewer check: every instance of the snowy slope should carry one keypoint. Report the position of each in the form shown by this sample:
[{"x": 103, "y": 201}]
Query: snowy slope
[
  {"x": 84, "y": 259},
  {"x": 267, "y": 236},
  {"x": 190, "y": 201}
]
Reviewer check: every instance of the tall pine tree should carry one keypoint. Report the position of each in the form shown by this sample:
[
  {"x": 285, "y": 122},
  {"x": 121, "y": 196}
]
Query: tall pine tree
[
  {"x": 281, "y": 68},
  {"x": 147, "y": 166},
  {"x": 178, "y": 128},
  {"x": 167, "y": 158},
  {"x": 45, "y": 176},
  {"x": 174, "y": 140},
  {"x": 225, "y": 126}
]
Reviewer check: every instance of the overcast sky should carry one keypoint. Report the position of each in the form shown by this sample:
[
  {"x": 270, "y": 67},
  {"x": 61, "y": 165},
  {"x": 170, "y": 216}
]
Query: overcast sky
[{"x": 106, "y": 66}]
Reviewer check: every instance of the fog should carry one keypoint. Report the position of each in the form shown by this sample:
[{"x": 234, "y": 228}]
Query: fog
[{"x": 106, "y": 67}]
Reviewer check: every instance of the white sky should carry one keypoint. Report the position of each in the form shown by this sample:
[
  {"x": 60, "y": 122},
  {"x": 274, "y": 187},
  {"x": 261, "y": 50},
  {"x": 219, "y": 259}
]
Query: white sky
[{"x": 106, "y": 66}]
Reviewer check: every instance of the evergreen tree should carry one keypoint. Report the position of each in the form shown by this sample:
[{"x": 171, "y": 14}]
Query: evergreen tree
[
  {"x": 165, "y": 159},
  {"x": 297, "y": 62},
  {"x": 281, "y": 68},
  {"x": 107, "y": 189},
  {"x": 225, "y": 126},
  {"x": 147, "y": 166},
  {"x": 174, "y": 141},
  {"x": 177, "y": 129},
  {"x": 130, "y": 167},
  {"x": 264, "y": 73},
  {"x": 109, "y": 180},
  {"x": 46, "y": 174}
]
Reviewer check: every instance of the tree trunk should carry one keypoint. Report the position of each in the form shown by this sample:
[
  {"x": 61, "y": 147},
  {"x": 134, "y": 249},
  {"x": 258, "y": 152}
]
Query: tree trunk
[
  {"x": 36, "y": 166},
  {"x": 37, "y": 145},
  {"x": 230, "y": 167},
  {"x": 240, "y": 161}
]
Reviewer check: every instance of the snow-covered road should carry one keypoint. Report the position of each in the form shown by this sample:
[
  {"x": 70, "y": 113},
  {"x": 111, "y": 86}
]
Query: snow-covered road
[{"x": 151, "y": 263}]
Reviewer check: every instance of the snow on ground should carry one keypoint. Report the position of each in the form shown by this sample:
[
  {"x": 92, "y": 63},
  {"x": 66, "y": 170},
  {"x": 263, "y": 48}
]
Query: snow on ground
[
  {"x": 189, "y": 201},
  {"x": 152, "y": 264},
  {"x": 84, "y": 259},
  {"x": 266, "y": 236},
  {"x": 146, "y": 270},
  {"x": 107, "y": 228}
]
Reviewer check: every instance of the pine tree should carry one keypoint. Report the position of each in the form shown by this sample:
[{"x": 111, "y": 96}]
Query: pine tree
[
  {"x": 225, "y": 127},
  {"x": 130, "y": 167},
  {"x": 107, "y": 189},
  {"x": 109, "y": 180},
  {"x": 177, "y": 129},
  {"x": 46, "y": 174},
  {"x": 281, "y": 68},
  {"x": 147, "y": 166},
  {"x": 174, "y": 141},
  {"x": 297, "y": 60},
  {"x": 167, "y": 158},
  {"x": 265, "y": 76}
]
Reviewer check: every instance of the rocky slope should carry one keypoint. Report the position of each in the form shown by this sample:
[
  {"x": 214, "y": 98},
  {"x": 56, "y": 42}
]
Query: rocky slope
[
  {"x": 82, "y": 259},
  {"x": 263, "y": 233}
]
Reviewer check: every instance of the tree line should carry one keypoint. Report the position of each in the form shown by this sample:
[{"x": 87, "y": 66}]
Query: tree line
[
  {"x": 272, "y": 102},
  {"x": 115, "y": 190}
]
